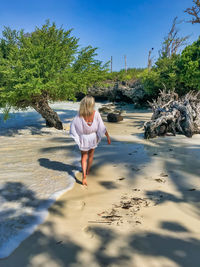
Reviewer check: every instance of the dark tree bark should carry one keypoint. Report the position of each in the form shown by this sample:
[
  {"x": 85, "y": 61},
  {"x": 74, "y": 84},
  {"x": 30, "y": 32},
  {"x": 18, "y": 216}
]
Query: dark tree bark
[
  {"x": 174, "y": 115},
  {"x": 52, "y": 119}
]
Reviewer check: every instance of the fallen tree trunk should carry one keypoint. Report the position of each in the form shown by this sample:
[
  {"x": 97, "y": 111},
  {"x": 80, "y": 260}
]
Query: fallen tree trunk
[
  {"x": 51, "y": 117},
  {"x": 174, "y": 115}
]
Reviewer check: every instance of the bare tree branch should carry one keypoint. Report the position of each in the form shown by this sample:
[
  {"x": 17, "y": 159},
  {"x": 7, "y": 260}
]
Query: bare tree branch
[
  {"x": 150, "y": 59},
  {"x": 194, "y": 11},
  {"x": 173, "y": 42}
]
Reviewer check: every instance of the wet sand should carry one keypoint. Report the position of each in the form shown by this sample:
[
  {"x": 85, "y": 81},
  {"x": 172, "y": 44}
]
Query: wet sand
[{"x": 141, "y": 207}]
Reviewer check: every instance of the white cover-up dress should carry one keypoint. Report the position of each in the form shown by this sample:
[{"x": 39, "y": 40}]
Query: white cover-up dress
[{"x": 87, "y": 136}]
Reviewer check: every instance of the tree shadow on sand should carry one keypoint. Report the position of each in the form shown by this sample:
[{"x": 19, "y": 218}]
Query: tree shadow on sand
[
  {"x": 41, "y": 248},
  {"x": 180, "y": 162},
  {"x": 59, "y": 166},
  {"x": 20, "y": 210},
  {"x": 48, "y": 247},
  {"x": 180, "y": 165},
  {"x": 63, "y": 251},
  {"x": 130, "y": 154},
  {"x": 181, "y": 251}
]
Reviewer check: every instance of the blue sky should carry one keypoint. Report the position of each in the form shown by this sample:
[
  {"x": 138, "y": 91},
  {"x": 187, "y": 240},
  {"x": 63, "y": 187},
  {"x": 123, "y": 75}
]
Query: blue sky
[{"x": 117, "y": 28}]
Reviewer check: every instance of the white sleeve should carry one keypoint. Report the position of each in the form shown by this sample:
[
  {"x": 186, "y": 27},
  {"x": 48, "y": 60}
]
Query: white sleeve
[
  {"x": 101, "y": 127},
  {"x": 73, "y": 132}
]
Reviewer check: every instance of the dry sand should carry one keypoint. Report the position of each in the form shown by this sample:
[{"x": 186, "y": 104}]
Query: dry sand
[{"x": 141, "y": 207}]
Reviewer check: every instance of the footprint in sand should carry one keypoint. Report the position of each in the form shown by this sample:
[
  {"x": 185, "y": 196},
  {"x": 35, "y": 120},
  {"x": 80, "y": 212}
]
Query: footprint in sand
[
  {"x": 59, "y": 242},
  {"x": 78, "y": 204},
  {"x": 192, "y": 189},
  {"x": 83, "y": 204},
  {"x": 121, "y": 179},
  {"x": 88, "y": 231},
  {"x": 135, "y": 169},
  {"x": 159, "y": 180},
  {"x": 164, "y": 174}
]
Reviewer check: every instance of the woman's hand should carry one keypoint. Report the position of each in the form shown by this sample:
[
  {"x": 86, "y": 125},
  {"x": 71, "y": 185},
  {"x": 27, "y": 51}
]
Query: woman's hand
[{"x": 108, "y": 138}]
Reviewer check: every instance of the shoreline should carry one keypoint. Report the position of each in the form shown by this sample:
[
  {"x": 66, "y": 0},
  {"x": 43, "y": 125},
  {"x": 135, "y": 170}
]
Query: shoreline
[
  {"x": 40, "y": 216},
  {"x": 141, "y": 207},
  {"x": 23, "y": 159}
]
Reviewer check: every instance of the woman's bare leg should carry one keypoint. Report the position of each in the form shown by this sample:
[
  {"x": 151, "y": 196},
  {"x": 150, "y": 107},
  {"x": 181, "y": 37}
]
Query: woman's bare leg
[
  {"x": 90, "y": 160},
  {"x": 84, "y": 157}
]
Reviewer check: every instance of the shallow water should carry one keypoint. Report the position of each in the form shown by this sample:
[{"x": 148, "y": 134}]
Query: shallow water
[{"x": 37, "y": 165}]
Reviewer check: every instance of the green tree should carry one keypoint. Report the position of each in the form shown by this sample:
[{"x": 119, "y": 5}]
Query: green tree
[
  {"x": 45, "y": 65},
  {"x": 189, "y": 67},
  {"x": 163, "y": 74}
]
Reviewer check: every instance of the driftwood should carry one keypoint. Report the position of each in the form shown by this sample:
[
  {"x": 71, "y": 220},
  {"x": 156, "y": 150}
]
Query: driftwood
[
  {"x": 114, "y": 117},
  {"x": 174, "y": 115}
]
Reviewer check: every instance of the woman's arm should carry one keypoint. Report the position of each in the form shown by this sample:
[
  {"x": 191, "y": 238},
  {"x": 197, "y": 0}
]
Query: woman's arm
[{"x": 108, "y": 138}]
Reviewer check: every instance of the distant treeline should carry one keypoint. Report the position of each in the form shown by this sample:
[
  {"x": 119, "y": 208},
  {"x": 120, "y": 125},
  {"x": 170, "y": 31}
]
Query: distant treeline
[
  {"x": 172, "y": 70},
  {"x": 178, "y": 71},
  {"x": 120, "y": 76}
]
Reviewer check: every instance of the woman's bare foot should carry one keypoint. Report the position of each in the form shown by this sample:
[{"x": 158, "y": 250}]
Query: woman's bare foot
[{"x": 84, "y": 181}]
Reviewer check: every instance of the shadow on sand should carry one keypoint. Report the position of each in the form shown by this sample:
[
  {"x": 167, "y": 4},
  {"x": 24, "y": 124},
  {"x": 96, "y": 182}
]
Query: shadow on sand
[{"x": 177, "y": 250}]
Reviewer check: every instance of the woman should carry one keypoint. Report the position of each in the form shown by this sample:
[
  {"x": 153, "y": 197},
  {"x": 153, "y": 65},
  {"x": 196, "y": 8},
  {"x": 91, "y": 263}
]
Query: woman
[{"x": 87, "y": 129}]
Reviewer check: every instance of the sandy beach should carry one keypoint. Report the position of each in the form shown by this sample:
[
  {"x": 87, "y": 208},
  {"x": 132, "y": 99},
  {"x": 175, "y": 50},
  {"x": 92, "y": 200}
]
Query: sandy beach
[{"x": 141, "y": 207}]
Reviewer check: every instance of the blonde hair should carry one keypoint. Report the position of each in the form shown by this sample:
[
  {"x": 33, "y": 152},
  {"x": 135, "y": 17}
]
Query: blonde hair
[{"x": 86, "y": 106}]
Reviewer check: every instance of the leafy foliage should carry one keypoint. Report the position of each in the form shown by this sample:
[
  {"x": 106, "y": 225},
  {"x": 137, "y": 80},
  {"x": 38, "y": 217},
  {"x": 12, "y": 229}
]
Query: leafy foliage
[
  {"x": 122, "y": 75},
  {"x": 179, "y": 72},
  {"x": 163, "y": 74},
  {"x": 189, "y": 67},
  {"x": 45, "y": 63}
]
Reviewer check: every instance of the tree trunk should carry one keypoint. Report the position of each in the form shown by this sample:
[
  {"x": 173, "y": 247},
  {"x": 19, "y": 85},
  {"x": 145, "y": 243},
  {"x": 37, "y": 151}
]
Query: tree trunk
[
  {"x": 174, "y": 115},
  {"x": 52, "y": 119}
]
